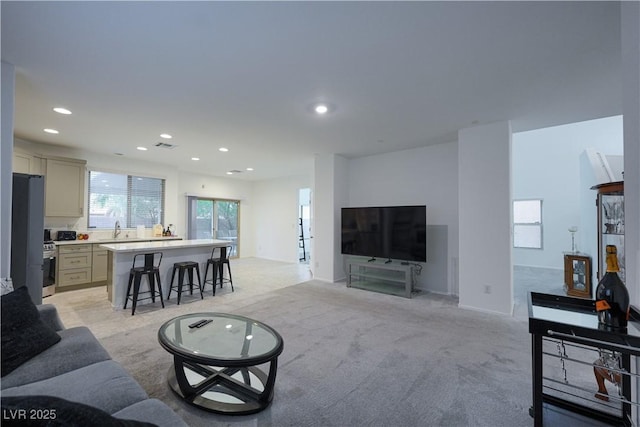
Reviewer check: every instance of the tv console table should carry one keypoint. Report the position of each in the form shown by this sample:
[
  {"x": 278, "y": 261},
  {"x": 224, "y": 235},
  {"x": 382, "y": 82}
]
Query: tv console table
[{"x": 393, "y": 277}]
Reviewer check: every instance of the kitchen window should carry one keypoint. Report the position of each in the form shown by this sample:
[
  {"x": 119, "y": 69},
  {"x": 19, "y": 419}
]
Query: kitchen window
[
  {"x": 527, "y": 224},
  {"x": 132, "y": 200}
]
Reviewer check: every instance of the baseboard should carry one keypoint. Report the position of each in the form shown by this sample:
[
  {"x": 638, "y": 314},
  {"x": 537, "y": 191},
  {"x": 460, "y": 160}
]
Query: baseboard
[{"x": 482, "y": 310}]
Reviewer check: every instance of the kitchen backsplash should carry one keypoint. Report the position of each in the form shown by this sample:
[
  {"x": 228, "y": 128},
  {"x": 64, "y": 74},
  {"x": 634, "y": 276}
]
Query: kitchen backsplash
[{"x": 96, "y": 234}]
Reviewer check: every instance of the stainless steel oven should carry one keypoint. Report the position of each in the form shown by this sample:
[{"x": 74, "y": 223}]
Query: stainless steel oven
[{"x": 49, "y": 269}]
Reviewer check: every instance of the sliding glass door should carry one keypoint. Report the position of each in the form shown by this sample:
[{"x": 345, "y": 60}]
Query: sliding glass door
[{"x": 214, "y": 219}]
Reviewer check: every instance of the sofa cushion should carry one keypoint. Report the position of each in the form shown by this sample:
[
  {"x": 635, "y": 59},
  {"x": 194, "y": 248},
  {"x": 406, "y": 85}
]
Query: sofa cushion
[
  {"x": 78, "y": 348},
  {"x": 152, "y": 410},
  {"x": 104, "y": 385},
  {"x": 53, "y": 411},
  {"x": 24, "y": 335}
]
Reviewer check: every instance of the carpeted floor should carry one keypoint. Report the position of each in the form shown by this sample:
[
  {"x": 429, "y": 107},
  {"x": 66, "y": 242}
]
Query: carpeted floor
[{"x": 351, "y": 357}]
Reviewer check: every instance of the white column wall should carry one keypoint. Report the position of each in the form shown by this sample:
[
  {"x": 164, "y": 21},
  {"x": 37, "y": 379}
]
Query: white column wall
[
  {"x": 330, "y": 193},
  {"x": 6, "y": 165},
  {"x": 630, "y": 16},
  {"x": 484, "y": 205}
]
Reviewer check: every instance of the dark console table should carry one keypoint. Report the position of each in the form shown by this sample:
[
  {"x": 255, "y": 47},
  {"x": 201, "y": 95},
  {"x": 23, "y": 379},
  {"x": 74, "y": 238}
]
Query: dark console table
[{"x": 559, "y": 322}]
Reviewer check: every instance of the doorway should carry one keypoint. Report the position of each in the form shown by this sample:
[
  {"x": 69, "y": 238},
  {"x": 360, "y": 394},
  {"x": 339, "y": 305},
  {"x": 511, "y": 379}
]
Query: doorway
[
  {"x": 304, "y": 225},
  {"x": 214, "y": 219}
]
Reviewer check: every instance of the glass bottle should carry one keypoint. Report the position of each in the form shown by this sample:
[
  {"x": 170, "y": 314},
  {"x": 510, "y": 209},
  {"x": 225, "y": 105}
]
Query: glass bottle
[{"x": 612, "y": 296}]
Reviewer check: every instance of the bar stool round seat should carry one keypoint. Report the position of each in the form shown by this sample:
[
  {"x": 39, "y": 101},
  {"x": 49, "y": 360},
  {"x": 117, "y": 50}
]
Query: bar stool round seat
[
  {"x": 149, "y": 268},
  {"x": 181, "y": 268}
]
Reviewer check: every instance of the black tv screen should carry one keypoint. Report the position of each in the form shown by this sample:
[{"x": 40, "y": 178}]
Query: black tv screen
[{"x": 389, "y": 232}]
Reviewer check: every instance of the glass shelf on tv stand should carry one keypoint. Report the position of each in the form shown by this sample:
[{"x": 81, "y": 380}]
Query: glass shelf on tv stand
[{"x": 394, "y": 278}]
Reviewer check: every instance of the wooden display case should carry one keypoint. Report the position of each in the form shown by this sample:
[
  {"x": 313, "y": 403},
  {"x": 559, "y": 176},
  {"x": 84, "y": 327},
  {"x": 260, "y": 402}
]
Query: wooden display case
[{"x": 610, "y": 204}]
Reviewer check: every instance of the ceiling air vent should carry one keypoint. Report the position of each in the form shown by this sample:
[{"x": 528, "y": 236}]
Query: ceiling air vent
[
  {"x": 165, "y": 145},
  {"x": 235, "y": 171}
]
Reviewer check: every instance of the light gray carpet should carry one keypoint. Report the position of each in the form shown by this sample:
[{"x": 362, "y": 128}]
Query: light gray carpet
[{"x": 357, "y": 358}]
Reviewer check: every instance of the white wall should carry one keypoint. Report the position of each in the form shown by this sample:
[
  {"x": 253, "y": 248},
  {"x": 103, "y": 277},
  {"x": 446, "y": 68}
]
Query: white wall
[
  {"x": 546, "y": 165},
  {"x": 268, "y": 209},
  {"x": 276, "y": 219},
  {"x": 484, "y": 206},
  {"x": 6, "y": 165},
  {"x": 117, "y": 164},
  {"x": 630, "y": 17},
  {"x": 217, "y": 188},
  {"x": 422, "y": 176}
]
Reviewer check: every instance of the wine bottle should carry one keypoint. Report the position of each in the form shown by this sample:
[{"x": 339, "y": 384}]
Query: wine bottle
[{"x": 612, "y": 296}]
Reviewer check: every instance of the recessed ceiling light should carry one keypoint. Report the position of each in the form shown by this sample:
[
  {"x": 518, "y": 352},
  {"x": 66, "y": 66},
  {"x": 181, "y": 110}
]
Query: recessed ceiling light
[
  {"x": 142, "y": 148},
  {"x": 249, "y": 169},
  {"x": 321, "y": 109},
  {"x": 53, "y": 131},
  {"x": 223, "y": 149},
  {"x": 195, "y": 158},
  {"x": 62, "y": 110},
  {"x": 165, "y": 136},
  {"x": 229, "y": 173}
]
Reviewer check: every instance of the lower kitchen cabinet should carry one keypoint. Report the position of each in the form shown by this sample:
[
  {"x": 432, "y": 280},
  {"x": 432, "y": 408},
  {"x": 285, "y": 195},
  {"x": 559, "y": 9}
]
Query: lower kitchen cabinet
[{"x": 73, "y": 265}]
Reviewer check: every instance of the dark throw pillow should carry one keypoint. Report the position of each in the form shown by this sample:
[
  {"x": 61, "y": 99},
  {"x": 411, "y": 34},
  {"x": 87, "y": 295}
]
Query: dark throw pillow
[
  {"x": 24, "y": 335},
  {"x": 49, "y": 411}
]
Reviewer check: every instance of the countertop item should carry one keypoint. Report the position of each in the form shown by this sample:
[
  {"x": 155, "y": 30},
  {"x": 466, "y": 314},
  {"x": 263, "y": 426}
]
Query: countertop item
[
  {"x": 66, "y": 235},
  {"x": 120, "y": 240}
]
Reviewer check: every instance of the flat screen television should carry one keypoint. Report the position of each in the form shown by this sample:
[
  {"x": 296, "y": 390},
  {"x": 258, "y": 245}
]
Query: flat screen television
[{"x": 389, "y": 232}]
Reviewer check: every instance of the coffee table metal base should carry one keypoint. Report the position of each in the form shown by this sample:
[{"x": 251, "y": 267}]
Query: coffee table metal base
[{"x": 224, "y": 390}]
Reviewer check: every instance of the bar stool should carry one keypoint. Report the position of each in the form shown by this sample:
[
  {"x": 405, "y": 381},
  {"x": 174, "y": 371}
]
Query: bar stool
[
  {"x": 217, "y": 263},
  {"x": 151, "y": 269},
  {"x": 181, "y": 267}
]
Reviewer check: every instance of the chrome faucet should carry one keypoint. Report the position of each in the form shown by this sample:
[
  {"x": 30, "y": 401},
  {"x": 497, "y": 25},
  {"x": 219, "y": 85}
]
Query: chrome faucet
[{"x": 116, "y": 231}]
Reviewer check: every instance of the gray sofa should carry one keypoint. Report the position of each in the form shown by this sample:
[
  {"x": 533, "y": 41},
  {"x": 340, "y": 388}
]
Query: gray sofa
[{"x": 78, "y": 369}]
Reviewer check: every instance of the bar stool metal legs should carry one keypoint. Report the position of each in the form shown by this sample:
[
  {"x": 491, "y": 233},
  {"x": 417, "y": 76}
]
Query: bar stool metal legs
[
  {"x": 150, "y": 269},
  {"x": 222, "y": 279},
  {"x": 181, "y": 267},
  {"x": 217, "y": 267}
]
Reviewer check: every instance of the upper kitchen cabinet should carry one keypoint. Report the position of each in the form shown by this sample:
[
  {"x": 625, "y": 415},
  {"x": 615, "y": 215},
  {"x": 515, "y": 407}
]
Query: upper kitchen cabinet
[
  {"x": 64, "y": 185},
  {"x": 25, "y": 162}
]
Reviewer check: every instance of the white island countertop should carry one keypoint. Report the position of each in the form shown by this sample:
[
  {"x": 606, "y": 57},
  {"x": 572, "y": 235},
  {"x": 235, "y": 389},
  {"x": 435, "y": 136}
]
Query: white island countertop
[
  {"x": 160, "y": 244},
  {"x": 121, "y": 257}
]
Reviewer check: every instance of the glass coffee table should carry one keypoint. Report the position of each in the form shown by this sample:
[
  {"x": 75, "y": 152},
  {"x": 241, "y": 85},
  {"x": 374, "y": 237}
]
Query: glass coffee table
[{"x": 216, "y": 360}]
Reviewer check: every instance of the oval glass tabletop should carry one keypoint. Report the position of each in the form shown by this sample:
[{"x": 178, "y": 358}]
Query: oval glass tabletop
[{"x": 220, "y": 337}]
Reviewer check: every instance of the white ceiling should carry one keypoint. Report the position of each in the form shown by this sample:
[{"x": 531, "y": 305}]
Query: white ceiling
[{"x": 244, "y": 74}]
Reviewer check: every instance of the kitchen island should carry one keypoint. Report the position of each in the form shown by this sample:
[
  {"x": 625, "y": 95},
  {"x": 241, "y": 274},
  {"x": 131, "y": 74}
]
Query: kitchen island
[{"x": 120, "y": 260}]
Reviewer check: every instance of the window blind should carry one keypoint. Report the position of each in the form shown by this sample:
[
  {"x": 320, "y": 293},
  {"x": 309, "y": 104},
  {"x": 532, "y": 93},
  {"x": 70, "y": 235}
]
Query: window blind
[{"x": 131, "y": 200}]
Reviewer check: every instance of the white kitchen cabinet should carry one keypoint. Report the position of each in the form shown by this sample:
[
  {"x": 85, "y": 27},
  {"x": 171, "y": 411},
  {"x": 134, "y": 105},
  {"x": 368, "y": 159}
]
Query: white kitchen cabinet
[
  {"x": 64, "y": 183},
  {"x": 25, "y": 162}
]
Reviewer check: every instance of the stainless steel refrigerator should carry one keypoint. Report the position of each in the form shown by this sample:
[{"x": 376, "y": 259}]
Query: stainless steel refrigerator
[{"x": 27, "y": 230}]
